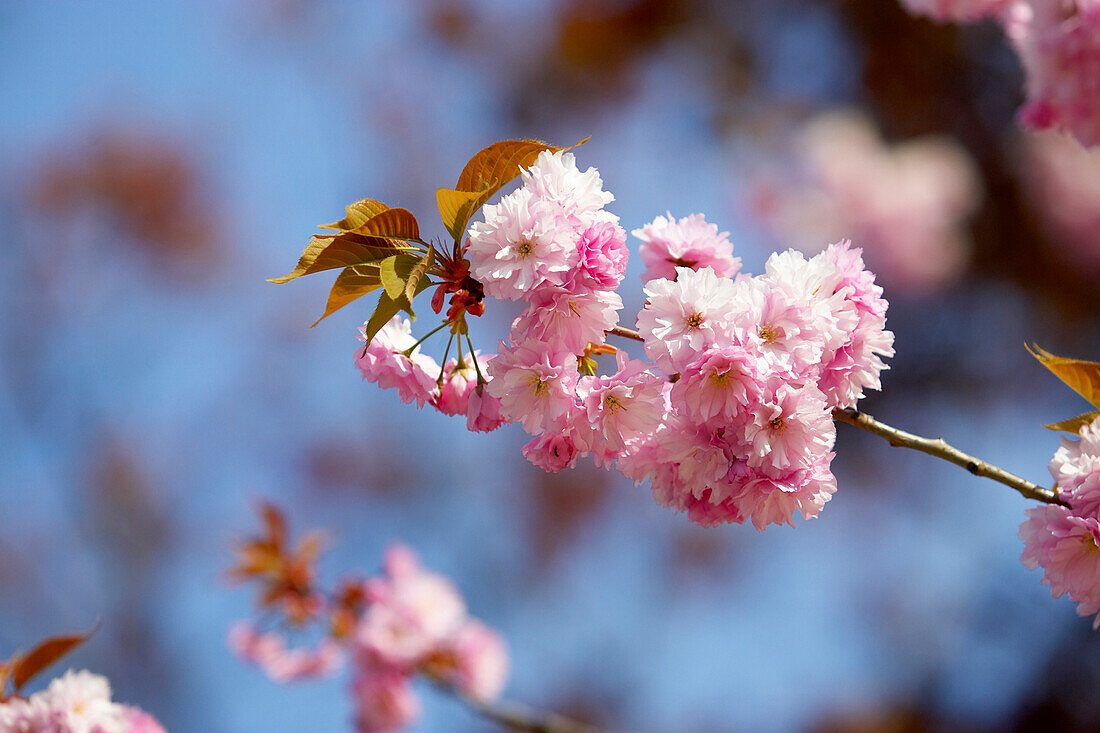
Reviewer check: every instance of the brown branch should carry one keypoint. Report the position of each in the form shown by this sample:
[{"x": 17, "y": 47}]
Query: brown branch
[
  {"x": 514, "y": 717},
  {"x": 517, "y": 717},
  {"x": 940, "y": 449},
  {"x": 625, "y": 333}
]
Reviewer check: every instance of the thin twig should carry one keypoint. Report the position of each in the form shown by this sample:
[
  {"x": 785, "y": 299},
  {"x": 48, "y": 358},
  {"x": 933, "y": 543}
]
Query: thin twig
[
  {"x": 519, "y": 718},
  {"x": 940, "y": 449}
]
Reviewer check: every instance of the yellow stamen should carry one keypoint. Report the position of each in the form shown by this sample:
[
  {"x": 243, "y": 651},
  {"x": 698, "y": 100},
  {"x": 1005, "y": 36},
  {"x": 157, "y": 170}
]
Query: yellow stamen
[
  {"x": 777, "y": 424},
  {"x": 769, "y": 334},
  {"x": 524, "y": 248},
  {"x": 538, "y": 386},
  {"x": 695, "y": 320},
  {"x": 613, "y": 403}
]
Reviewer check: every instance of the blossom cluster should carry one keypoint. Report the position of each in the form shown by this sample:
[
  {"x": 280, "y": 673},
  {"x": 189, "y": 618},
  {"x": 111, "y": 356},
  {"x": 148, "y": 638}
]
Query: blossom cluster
[
  {"x": 907, "y": 204},
  {"x": 1065, "y": 540},
  {"x": 758, "y": 363},
  {"x": 405, "y": 622},
  {"x": 76, "y": 702},
  {"x": 1058, "y": 43},
  {"x": 731, "y": 420}
]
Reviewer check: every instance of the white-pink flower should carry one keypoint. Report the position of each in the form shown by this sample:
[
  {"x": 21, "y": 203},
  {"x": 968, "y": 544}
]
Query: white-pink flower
[
  {"x": 552, "y": 451},
  {"x": 565, "y": 322},
  {"x": 535, "y": 387},
  {"x": 618, "y": 409},
  {"x": 523, "y": 243},
  {"x": 554, "y": 178},
  {"x": 789, "y": 429},
  {"x": 268, "y": 651},
  {"x": 668, "y": 243},
  {"x": 721, "y": 384},
  {"x": 1068, "y": 548},
  {"x": 385, "y": 363},
  {"x": 686, "y": 316}
]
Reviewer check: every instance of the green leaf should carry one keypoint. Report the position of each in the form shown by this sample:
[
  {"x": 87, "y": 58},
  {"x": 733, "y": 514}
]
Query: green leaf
[
  {"x": 1083, "y": 377},
  {"x": 352, "y": 283},
  {"x": 1074, "y": 425},
  {"x": 395, "y": 272},
  {"x": 388, "y": 307},
  {"x": 329, "y": 251},
  {"x": 43, "y": 655},
  {"x": 357, "y": 214},
  {"x": 419, "y": 270}
]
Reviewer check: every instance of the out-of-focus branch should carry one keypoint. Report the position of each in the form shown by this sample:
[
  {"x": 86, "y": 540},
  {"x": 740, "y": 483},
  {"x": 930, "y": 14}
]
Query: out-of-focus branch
[
  {"x": 937, "y": 447},
  {"x": 940, "y": 448},
  {"x": 519, "y": 718}
]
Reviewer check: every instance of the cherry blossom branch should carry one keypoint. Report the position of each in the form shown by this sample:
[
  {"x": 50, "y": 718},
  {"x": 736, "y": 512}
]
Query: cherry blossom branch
[
  {"x": 941, "y": 449},
  {"x": 934, "y": 447}
]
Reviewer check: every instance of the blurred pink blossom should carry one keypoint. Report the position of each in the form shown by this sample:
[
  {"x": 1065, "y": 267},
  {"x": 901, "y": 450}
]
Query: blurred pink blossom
[{"x": 906, "y": 204}]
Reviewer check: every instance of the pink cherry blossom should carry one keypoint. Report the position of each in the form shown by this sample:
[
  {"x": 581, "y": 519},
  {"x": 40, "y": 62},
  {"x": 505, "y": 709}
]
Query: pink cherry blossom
[
  {"x": 384, "y": 701},
  {"x": 603, "y": 256},
  {"x": 1068, "y": 548},
  {"x": 721, "y": 384},
  {"x": 789, "y": 429},
  {"x": 564, "y": 322},
  {"x": 483, "y": 411},
  {"x": 619, "y": 408},
  {"x": 534, "y": 387},
  {"x": 1059, "y": 46},
  {"x": 268, "y": 651},
  {"x": 686, "y": 316},
  {"x": 555, "y": 178},
  {"x": 692, "y": 242},
  {"x": 385, "y": 363},
  {"x": 522, "y": 244},
  {"x": 459, "y": 380},
  {"x": 474, "y": 661},
  {"x": 552, "y": 451}
]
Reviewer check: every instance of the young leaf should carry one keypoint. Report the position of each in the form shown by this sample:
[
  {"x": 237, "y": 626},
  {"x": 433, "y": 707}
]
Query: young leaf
[
  {"x": 1083, "y": 377},
  {"x": 43, "y": 655},
  {"x": 417, "y": 273},
  {"x": 329, "y": 251},
  {"x": 456, "y": 207},
  {"x": 392, "y": 224},
  {"x": 352, "y": 283},
  {"x": 388, "y": 307},
  {"x": 1074, "y": 425},
  {"x": 485, "y": 174},
  {"x": 357, "y": 214},
  {"x": 501, "y": 162},
  {"x": 395, "y": 272}
]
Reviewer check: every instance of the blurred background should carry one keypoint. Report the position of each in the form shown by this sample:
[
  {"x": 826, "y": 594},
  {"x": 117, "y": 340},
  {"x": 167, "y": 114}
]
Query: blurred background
[{"x": 160, "y": 160}]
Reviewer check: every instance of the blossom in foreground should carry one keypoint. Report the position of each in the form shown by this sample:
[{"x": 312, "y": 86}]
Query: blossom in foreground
[
  {"x": 1065, "y": 541},
  {"x": 731, "y": 420},
  {"x": 76, "y": 702}
]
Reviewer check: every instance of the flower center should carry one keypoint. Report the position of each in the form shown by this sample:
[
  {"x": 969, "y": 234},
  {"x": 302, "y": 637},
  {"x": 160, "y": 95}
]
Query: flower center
[
  {"x": 719, "y": 378},
  {"x": 524, "y": 248},
  {"x": 694, "y": 321},
  {"x": 769, "y": 334},
  {"x": 613, "y": 404},
  {"x": 538, "y": 386},
  {"x": 1091, "y": 548},
  {"x": 777, "y": 424}
]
